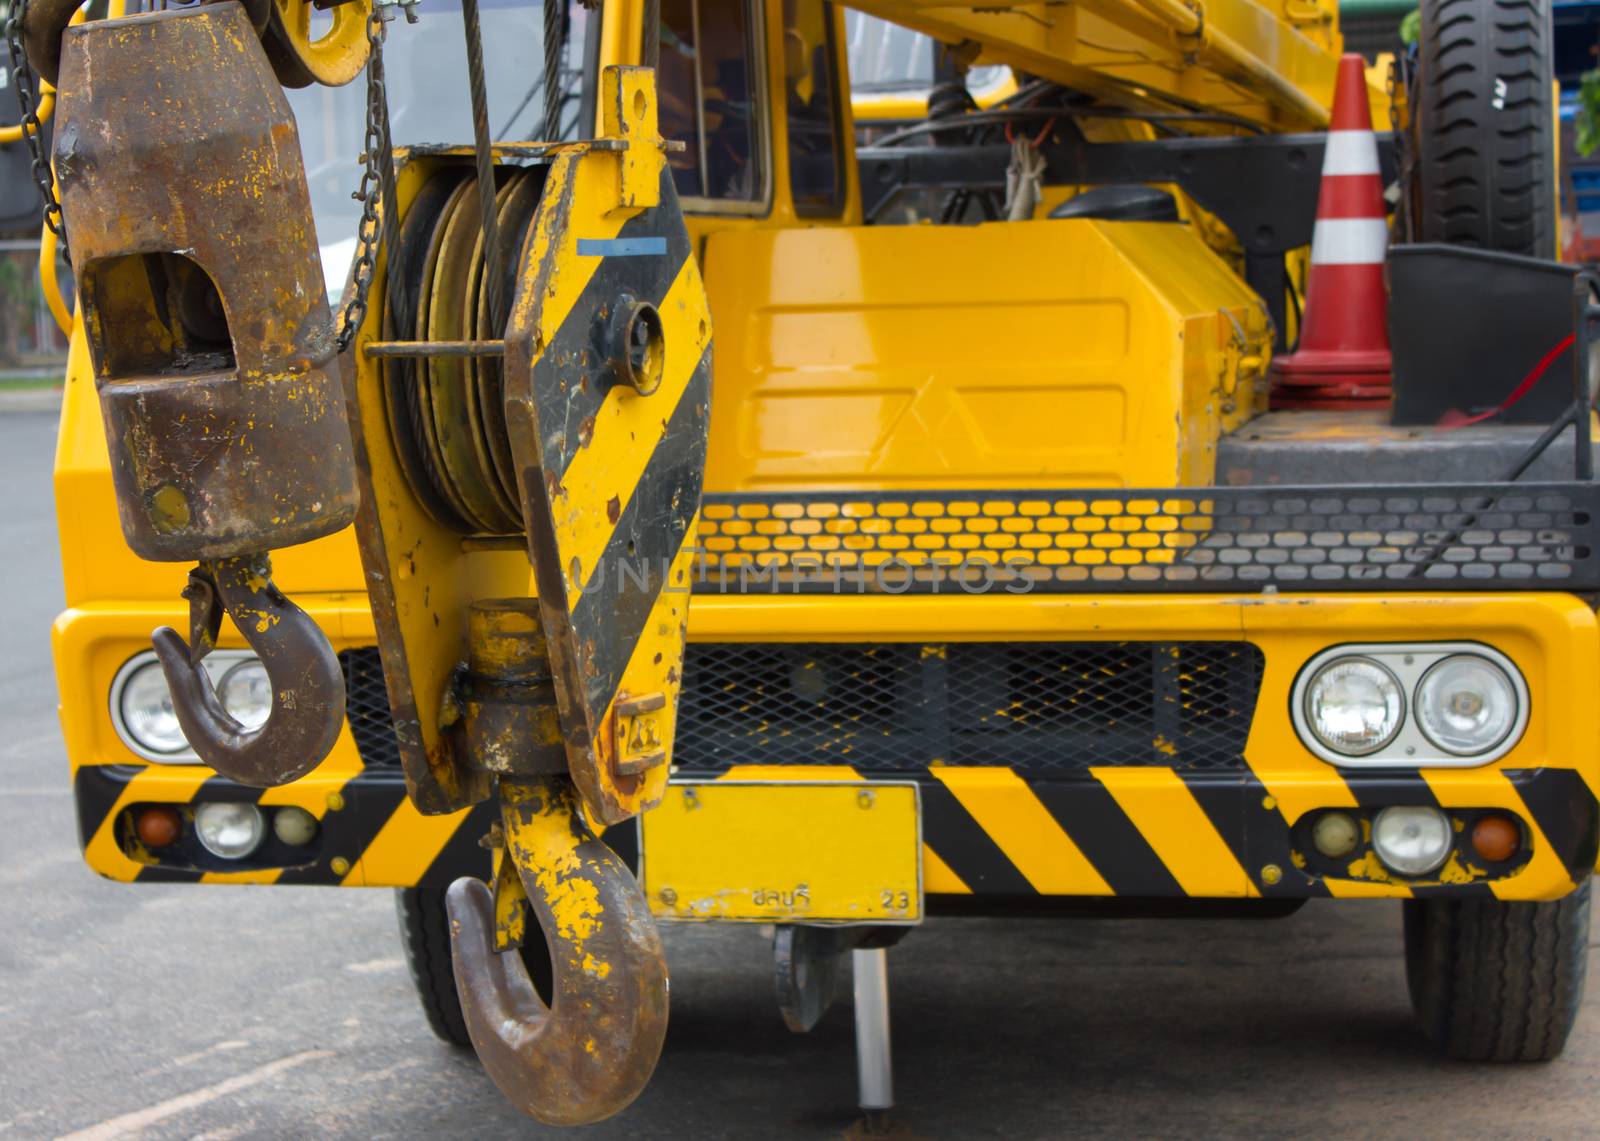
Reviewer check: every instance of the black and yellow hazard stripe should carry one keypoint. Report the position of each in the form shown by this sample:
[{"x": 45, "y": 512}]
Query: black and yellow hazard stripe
[
  {"x": 369, "y": 833},
  {"x": 612, "y": 476},
  {"x": 1157, "y": 832},
  {"x": 1132, "y": 832}
]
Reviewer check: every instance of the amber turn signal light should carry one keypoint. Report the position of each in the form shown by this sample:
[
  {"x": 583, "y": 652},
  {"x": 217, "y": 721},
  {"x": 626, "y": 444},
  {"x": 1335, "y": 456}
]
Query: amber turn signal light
[
  {"x": 1496, "y": 837},
  {"x": 157, "y": 826}
]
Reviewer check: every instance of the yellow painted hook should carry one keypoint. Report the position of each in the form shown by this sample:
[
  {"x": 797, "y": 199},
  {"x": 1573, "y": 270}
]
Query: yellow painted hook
[{"x": 590, "y": 1052}]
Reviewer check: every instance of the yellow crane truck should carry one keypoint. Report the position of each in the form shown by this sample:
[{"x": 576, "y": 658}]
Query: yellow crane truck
[{"x": 971, "y": 573}]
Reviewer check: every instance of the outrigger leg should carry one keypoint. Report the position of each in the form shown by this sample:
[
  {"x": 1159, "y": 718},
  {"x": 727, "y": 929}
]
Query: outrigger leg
[{"x": 874, "y": 1066}]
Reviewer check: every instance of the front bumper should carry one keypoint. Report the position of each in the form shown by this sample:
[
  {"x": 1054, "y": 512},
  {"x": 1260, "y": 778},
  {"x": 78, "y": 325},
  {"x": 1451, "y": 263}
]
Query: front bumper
[
  {"x": 1137, "y": 831},
  {"x": 1134, "y": 833}
]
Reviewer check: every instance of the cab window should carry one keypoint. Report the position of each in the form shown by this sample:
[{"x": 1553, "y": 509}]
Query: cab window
[
  {"x": 814, "y": 161},
  {"x": 709, "y": 98}
]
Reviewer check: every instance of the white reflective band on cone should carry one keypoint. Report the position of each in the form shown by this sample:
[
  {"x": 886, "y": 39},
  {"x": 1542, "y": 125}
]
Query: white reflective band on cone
[
  {"x": 1349, "y": 241},
  {"x": 1350, "y": 152}
]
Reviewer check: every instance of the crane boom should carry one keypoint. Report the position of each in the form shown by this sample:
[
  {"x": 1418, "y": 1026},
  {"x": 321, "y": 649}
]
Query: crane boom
[{"x": 1272, "y": 67}]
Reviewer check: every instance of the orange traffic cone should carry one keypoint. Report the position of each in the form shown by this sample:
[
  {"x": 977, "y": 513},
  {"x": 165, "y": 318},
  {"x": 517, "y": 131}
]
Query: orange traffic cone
[{"x": 1342, "y": 360}]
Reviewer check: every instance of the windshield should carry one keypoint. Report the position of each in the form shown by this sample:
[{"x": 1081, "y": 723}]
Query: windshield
[
  {"x": 425, "y": 66},
  {"x": 886, "y": 58}
]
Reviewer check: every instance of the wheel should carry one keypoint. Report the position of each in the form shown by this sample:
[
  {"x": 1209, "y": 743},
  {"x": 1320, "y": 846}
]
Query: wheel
[
  {"x": 1486, "y": 167},
  {"x": 425, "y": 938},
  {"x": 1497, "y": 982}
]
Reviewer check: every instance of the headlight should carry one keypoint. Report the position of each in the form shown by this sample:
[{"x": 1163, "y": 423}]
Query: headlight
[
  {"x": 1354, "y": 706},
  {"x": 229, "y": 829},
  {"x": 246, "y": 693},
  {"x": 1411, "y": 841},
  {"x": 1411, "y": 704},
  {"x": 1466, "y": 704},
  {"x": 141, "y": 705},
  {"x": 145, "y": 704}
]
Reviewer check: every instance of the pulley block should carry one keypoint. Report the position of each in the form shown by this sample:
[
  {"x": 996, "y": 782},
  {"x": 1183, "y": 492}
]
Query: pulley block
[{"x": 551, "y": 393}]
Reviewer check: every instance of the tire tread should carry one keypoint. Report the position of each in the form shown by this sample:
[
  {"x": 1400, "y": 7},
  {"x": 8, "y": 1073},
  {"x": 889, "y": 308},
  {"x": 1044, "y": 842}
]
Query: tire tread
[
  {"x": 1495, "y": 981},
  {"x": 425, "y": 937},
  {"x": 1485, "y": 175}
]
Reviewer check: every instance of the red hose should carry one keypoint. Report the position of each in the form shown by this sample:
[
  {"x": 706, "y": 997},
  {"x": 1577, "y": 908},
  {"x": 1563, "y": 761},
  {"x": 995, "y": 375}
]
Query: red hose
[{"x": 1454, "y": 419}]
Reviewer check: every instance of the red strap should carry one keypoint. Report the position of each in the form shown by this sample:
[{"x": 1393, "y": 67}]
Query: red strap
[{"x": 1453, "y": 419}]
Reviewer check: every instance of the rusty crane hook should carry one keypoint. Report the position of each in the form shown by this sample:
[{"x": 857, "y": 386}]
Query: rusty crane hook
[
  {"x": 307, "y": 683},
  {"x": 588, "y": 1053}
]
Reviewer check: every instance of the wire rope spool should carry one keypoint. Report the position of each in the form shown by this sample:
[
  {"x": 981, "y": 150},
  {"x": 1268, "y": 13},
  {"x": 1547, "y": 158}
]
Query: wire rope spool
[
  {"x": 446, "y": 413},
  {"x": 520, "y": 200}
]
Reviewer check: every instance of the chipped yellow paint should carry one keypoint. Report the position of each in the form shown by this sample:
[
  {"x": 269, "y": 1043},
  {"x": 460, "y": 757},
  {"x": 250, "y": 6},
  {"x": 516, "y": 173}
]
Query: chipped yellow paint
[
  {"x": 542, "y": 841},
  {"x": 1366, "y": 889},
  {"x": 1456, "y": 870},
  {"x": 1369, "y": 867},
  {"x": 574, "y": 902}
]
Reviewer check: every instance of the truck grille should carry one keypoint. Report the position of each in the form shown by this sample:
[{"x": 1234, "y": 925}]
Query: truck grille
[
  {"x": 366, "y": 705},
  {"x": 1059, "y": 706},
  {"x": 1051, "y": 707}
]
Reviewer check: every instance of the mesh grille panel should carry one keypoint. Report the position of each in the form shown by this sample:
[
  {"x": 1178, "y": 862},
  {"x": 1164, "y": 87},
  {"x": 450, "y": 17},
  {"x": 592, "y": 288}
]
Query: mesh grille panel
[
  {"x": 1422, "y": 537},
  {"x": 1040, "y": 706},
  {"x": 366, "y": 704}
]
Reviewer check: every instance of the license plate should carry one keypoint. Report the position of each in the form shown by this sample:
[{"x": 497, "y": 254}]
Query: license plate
[{"x": 768, "y": 852}]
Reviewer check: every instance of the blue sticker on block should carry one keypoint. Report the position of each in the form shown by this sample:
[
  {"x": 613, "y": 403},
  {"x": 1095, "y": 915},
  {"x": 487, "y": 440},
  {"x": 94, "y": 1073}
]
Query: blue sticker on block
[{"x": 621, "y": 247}]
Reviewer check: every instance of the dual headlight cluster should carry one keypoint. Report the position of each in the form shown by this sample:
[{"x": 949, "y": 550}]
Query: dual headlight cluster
[
  {"x": 1387, "y": 704},
  {"x": 141, "y": 703}
]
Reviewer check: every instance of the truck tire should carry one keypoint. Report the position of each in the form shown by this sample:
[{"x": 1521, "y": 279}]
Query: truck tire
[
  {"x": 425, "y": 937},
  {"x": 1486, "y": 167},
  {"x": 1497, "y": 982}
]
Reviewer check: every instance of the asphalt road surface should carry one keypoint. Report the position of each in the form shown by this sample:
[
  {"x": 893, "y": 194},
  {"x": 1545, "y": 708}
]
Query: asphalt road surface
[{"x": 287, "y": 1012}]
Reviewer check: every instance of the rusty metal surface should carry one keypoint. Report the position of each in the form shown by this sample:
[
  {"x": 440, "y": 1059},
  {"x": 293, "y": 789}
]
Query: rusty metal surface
[
  {"x": 42, "y": 26},
  {"x": 307, "y": 684},
  {"x": 590, "y": 1052},
  {"x": 434, "y": 348},
  {"x": 207, "y": 323},
  {"x": 506, "y": 691},
  {"x": 202, "y": 295}
]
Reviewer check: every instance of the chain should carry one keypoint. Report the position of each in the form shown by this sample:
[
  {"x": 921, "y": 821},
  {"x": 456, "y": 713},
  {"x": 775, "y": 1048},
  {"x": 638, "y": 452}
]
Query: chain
[
  {"x": 27, "y": 101},
  {"x": 372, "y": 190}
]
